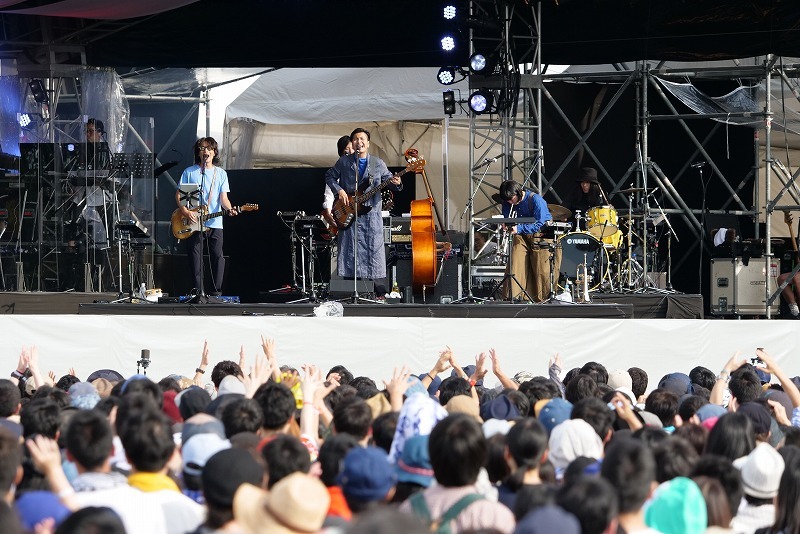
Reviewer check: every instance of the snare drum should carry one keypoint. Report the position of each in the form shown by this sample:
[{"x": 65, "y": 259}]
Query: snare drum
[
  {"x": 602, "y": 221},
  {"x": 583, "y": 247}
]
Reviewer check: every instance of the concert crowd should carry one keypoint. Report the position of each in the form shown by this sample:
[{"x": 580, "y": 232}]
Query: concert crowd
[{"x": 261, "y": 446}]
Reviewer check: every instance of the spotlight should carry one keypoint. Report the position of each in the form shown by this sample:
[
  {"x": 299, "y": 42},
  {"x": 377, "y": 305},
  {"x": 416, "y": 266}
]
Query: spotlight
[
  {"x": 450, "y": 12},
  {"x": 447, "y": 75},
  {"x": 477, "y": 62},
  {"x": 481, "y": 101},
  {"x": 449, "y": 102},
  {"x": 480, "y": 63},
  {"x": 23, "y": 119},
  {"x": 38, "y": 91},
  {"x": 448, "y": 43}
]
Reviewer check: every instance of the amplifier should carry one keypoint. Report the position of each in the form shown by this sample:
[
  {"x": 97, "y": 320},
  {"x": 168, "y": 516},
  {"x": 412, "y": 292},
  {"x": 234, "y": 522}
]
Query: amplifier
[
  {"x": 399, "y": 229},
  {"x": 447, "y": 290},
  {"x": 739, "y": 289},
  {"x": 403, "y": 251}
]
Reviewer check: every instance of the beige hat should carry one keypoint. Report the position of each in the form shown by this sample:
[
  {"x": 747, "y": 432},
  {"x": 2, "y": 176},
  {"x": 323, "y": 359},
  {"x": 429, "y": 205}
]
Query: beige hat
[
  {"x": 379, "y": 405},
  {"x": 103, "y": 387},
  {"x": 620, "y": 378},
  {"x": 297, "y": 503},
  {"x": 464, "y": 404}
]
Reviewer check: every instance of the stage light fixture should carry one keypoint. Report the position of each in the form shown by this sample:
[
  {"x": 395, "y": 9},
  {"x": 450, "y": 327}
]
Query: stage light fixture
[
  {"x": 23, "y": 119},
  {"x": 448, "y": 43},
  {"x": 477, "y": 62},
  {"x": 38, "y": 91},
  {"x": 449, "y": 102},
  {"x": 450, "y": 12},
  {"x": 446, "y": 75},
  {"x": 481, "y": 101}
]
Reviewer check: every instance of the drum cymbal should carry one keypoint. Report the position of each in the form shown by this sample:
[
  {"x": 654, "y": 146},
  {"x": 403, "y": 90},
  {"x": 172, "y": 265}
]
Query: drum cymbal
[
  {"x": 631, "y": 190},
  {"x": 558, "y": 212}
]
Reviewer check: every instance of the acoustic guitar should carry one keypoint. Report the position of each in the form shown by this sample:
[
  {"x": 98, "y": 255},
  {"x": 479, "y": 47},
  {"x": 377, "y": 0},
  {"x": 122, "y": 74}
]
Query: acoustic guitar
[
  {"x": 344, "y": 214},
  {"x": 182, "y": 227}
]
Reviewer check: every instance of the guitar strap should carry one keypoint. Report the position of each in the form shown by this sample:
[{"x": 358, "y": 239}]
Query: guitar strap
[{"x": 210, "y": 196}]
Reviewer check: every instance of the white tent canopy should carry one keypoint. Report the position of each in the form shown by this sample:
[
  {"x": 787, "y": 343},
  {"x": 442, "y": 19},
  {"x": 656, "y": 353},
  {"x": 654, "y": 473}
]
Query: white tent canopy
[
  {"x": 293, "y": 117},
  {"x": 319, "y": 96}
]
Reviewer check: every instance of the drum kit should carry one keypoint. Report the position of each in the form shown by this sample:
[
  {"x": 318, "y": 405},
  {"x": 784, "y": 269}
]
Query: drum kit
[{"x": 598, "y": 252}]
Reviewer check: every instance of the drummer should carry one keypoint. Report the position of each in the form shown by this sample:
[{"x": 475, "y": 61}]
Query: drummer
[{"x": 586, "y": 194}]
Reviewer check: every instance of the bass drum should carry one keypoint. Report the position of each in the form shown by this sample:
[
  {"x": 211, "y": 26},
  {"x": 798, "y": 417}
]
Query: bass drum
[{"x": 582, "y": 247}]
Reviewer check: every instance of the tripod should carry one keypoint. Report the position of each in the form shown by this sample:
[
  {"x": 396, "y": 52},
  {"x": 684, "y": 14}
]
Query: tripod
[{"x": 306, "y": 225}]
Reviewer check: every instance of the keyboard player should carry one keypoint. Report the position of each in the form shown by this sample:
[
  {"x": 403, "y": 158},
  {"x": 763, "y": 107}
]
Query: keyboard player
[
  {"x": 529, "y": 261},
  {"x": 87, "y": 219}
]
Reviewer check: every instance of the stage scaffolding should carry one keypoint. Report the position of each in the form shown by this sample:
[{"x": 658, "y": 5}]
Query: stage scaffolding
[
  {"x": 514, "y": 131},
  {"x": 49, "y": 248}
]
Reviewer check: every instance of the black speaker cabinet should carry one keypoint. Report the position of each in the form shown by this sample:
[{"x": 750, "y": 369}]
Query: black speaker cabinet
[{"x": 447, "y": 290}]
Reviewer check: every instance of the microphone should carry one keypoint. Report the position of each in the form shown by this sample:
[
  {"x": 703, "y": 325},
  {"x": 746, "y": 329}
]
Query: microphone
[
  {"x": 698, "y": 164},
  {"x": 487, "y": 161},
  {"x": 203, "y": 164}
]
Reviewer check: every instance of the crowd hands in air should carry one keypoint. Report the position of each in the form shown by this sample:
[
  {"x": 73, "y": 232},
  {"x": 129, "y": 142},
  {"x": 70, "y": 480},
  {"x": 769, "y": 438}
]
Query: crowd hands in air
[{"x": 259, "y": 447}]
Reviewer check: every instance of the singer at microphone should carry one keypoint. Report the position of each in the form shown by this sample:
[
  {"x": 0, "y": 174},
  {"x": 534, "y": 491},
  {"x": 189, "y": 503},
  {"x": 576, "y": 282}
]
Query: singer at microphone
[
  {"x": 212, "y": 182},
  {"x": 361, "y": 250}
]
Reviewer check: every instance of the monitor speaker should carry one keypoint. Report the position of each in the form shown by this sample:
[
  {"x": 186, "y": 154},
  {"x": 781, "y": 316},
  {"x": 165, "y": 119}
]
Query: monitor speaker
[{"x": 447, "y": 290}]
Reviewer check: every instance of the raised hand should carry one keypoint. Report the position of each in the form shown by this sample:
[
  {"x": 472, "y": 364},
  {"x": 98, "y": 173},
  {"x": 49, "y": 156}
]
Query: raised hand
[{"x": 398, "y": 384}]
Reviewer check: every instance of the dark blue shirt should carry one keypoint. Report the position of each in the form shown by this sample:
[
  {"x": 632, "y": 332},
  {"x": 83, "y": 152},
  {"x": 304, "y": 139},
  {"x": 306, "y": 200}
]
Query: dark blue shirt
[{"x": 531, "y": 205}]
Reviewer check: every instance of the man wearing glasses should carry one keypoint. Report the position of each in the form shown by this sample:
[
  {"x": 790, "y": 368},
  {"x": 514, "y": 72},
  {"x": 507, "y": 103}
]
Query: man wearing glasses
[{"x": 213, "y": 184}]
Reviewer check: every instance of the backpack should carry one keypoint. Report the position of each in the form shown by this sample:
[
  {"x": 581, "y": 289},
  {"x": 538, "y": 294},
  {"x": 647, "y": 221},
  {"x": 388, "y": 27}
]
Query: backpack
[{"x": 442, "y": 524}]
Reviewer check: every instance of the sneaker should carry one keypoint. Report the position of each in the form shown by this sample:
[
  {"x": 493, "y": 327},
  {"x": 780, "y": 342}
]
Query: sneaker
[{"x": 794, "y": 310}]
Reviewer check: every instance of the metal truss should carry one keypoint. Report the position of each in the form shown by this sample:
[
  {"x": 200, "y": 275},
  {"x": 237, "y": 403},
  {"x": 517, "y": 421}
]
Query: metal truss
[{"x": 514, "y": 131}]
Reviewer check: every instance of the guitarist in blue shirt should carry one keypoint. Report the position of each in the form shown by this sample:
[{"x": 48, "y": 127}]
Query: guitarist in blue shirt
[{"x": 214, "y": 192}]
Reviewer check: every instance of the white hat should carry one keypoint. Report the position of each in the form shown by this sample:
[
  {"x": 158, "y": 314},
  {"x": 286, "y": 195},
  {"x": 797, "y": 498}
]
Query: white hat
[
  {"x": 231, "y": 384},
  {"x": 573, "y": 438},
  {"x": 197, "y": 450},
  {"x": 761, "y": 471}
]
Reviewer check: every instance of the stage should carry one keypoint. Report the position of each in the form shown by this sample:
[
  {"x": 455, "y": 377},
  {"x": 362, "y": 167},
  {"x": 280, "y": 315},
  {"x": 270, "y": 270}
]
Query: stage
[
  {"x": 610, "y": 306},
  {"x": 87, "y": 332}
]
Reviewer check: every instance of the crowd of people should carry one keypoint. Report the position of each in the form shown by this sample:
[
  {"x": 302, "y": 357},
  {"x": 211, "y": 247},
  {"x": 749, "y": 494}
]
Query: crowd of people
[{"x": 260, "y": 447}]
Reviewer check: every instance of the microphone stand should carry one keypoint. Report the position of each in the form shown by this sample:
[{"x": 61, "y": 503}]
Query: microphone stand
[
  {"x": 668, "y": 286},
  {"x": 470, "y": 297},
  {"x": 200, "y": 296},
  {"x": 355, "y": 298}
]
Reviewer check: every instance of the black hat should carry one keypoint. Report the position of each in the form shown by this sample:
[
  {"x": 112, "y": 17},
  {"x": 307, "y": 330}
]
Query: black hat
[
  {"x": 225, "y": 471},
  {"x": 588, "y": 174}
]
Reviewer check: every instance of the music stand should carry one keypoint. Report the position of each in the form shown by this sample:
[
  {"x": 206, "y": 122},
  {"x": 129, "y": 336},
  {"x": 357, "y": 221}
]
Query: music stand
[{"x": 190, "y": 196}]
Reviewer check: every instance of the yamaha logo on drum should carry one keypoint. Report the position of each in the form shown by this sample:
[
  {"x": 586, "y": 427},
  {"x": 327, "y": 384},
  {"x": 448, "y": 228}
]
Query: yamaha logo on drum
[{"x": 578, "y": 241}]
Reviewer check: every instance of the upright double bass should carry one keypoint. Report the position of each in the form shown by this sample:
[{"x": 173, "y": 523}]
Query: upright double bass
[{"x": 424, "y": 247}]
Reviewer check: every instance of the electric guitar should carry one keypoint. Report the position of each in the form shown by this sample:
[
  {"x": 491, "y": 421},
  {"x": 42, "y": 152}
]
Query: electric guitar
[
  {"x": 183, "y": 227},
  {"x": 344, "y": 214}
]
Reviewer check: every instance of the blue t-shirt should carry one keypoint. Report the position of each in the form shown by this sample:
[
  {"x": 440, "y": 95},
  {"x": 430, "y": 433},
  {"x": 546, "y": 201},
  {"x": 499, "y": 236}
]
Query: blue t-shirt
[{"x": 215, "y": 182}]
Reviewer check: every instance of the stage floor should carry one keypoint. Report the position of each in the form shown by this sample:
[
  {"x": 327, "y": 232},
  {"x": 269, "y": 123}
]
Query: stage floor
[{"x": 610, "y": 306}]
